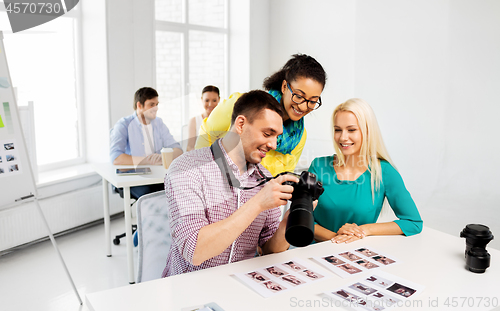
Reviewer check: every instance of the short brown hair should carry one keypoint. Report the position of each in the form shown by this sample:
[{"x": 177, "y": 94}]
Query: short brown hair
[
  {"x": 144, "y": 94},
  {"x": 252, "y": 103}
]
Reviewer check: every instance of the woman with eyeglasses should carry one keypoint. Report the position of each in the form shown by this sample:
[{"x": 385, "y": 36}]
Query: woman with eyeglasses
[
  {"x": 298, "y": 86},
  {"x": 357, "y": 180}
]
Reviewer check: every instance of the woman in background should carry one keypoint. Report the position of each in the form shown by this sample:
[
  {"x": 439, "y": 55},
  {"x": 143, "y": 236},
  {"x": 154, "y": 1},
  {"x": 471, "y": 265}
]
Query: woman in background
[
  {"x": 358, "y": 179},
  {"x": 210, "y": 97},
  {"x": 298, "y": 86}
]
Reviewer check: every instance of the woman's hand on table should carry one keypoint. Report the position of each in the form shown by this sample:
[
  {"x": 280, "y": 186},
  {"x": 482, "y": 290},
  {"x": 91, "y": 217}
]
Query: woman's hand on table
[{"x": 349, "y": 233}]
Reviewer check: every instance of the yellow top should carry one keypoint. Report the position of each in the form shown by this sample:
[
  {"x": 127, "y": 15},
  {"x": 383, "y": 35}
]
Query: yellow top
[{"x": 218, "y": 124}]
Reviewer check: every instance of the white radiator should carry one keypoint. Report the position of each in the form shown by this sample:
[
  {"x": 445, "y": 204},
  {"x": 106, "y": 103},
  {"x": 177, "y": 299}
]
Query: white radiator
[{"x": 22, "y": 223}]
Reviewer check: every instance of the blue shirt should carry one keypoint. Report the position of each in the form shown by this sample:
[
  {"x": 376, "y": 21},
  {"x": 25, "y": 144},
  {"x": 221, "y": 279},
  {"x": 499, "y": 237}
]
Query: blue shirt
[
  {"x": 126, "y": 137},
  {"x": 351, "y": 201}
]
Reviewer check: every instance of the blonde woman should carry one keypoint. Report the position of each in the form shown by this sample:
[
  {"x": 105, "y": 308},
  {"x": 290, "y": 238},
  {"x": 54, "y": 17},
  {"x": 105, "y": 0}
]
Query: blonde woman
[{"x": 358, "y": 179}]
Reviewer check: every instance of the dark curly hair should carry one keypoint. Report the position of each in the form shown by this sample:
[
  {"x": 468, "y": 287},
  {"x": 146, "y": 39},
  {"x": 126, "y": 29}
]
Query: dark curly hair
[{"x": 299, "y": 66}]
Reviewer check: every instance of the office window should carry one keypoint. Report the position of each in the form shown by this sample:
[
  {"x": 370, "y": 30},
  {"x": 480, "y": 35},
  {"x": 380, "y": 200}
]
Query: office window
[
  {"x": 169, "y": 79},
  {"x": 43, "y": 66},
  {"x": 191, "y": 52},
  {"x": 207, "y": 12},
  {"x": 169, "y": 10}
]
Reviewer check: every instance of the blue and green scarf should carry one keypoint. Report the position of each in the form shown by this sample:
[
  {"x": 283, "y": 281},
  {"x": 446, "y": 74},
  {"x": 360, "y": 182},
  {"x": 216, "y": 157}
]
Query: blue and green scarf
[{"x": 292, "y": 130}]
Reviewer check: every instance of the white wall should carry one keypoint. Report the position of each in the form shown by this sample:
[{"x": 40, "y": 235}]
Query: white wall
[
  {"x": 95, "y": 80},
  {"x": 431, "y": 71},
  {"x": 259, "y": 42},
  {"x": 325, "y": 30},
  {"x": 249, "y": 49},
  {"x": 120, "y": 45},
  {"x": 131, "y": 54}
]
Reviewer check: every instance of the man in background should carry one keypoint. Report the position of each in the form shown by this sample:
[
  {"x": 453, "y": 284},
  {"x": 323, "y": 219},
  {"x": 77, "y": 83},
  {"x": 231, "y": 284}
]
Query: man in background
[{"x": 138, "y": 139}]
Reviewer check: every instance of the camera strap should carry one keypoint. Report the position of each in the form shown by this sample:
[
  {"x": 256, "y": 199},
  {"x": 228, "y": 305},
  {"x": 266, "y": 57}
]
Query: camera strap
[{"x": 220, "y": 159}]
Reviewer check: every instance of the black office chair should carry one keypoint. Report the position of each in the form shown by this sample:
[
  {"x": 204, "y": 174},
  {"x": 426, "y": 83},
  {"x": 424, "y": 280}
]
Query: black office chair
[{"x": 117, "y": 238}]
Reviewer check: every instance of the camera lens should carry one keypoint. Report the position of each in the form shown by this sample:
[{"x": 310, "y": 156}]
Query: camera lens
[
  {"x": 476, "y": 238},
  {"x": 300, "y": 224},
  {"x": 477, "y": 259}
]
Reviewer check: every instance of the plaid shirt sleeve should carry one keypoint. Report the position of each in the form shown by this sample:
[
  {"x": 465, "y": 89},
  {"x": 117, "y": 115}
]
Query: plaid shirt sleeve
[
  {"x": 270, "y": 226},
  {"x": 186, "y": 203}
]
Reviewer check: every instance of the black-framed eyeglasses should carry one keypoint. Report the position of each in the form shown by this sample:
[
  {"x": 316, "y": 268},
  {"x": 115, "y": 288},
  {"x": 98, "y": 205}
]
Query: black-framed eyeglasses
[{"x": 299, "y": 99}]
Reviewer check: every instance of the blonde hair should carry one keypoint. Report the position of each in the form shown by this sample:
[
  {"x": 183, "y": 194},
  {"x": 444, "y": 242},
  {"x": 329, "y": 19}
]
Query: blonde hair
[{"x": 372, "y": 147}]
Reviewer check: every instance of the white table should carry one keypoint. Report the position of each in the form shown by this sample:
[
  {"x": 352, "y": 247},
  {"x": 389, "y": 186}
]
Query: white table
[
  {"x": 432, "y": 258},
  {"x": 108, "y": 174}
]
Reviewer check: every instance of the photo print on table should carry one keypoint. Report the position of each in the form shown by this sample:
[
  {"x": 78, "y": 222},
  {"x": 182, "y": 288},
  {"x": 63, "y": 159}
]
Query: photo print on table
[
  {"x": 380, "y": 282},
  {"x": 10, "y": 157},
  {"x": 366, "y": 252},
  {"x": 349, "y": 268},
  {"x": 383, "y": 260},
  {"x": 281, "y": 277},
  {"x": 294, "y": 266},
  {"x": 350, "y": 262},
  {"x": 293, "y": 280},
  {"x": 378, "y": 295},
  {"x": 379, "y": 301},
  {"x": 273, "y": 287},
  {"x": 389, "y": 301},
  {"x": 379, "y": 291},
  {"x": 333, "y": 260},
  {"x": 366, "y": 264},
  {"x": 362, "y": 288},
  {"x": 257, "y": 276},
  {"x": 359, "y": 300},
  {"x": 401, "y": 290},
  {"x": 350, "y": 256},
  {"x": 13, "y": 168},
  {"x": 311, "y": 274},
  {"x": 275, "y": 271},
  {"x": 344, "y": 294}
]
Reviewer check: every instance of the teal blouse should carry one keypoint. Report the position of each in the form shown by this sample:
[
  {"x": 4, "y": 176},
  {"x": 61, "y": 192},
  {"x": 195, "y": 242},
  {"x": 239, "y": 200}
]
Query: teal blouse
[{"x": 351, "y": 201}]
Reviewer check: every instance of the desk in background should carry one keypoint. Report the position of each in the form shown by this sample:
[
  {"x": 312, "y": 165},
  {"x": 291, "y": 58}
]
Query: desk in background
[
  {"x": 108, "y": 173},
  {"x": 432, "y": 258}
]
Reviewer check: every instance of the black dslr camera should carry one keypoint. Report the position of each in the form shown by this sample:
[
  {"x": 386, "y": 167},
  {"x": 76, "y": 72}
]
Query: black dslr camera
[{"x": 300, "y": 225}]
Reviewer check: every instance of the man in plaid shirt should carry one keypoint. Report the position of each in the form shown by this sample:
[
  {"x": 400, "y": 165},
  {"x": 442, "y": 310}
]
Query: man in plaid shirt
[{"x": 214, "y": 221}]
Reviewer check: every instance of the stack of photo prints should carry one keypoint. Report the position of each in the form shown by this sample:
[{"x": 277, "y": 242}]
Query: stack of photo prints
[
  {"x": 376, "y": 292},
  {"x": 352, "y": 262},
  {"x": 278, "y": 278}
]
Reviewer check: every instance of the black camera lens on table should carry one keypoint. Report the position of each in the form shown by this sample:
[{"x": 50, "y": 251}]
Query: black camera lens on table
[
  {"x": 300, "y": 224},
  {"x": 476, "y": 238}
]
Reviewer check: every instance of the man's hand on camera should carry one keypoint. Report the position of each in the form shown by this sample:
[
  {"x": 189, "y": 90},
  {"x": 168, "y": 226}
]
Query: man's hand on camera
[{"x": 274, "y": 193}]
